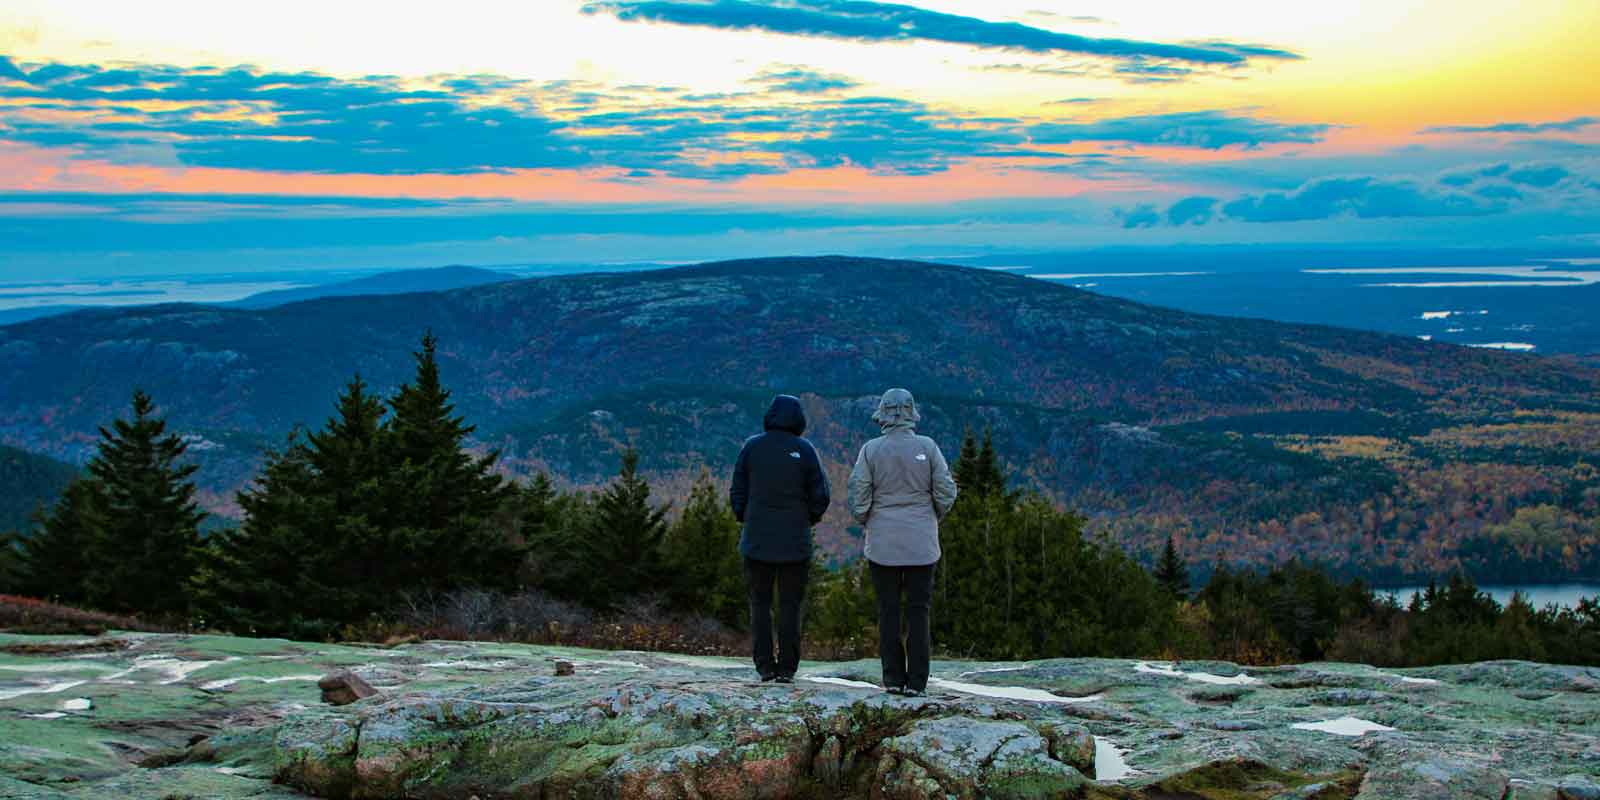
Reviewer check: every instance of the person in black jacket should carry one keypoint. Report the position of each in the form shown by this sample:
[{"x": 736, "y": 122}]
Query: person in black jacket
[{"x": 779, "y": 491}]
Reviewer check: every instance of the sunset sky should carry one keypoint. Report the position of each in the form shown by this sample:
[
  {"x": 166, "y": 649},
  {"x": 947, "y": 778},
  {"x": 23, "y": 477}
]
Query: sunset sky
[{"x": 169, "y": 137}]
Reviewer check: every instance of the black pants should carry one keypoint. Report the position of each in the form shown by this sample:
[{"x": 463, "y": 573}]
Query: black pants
[
  {"x": 904, "y": 664},
  {"x": 791, "y": 579}
]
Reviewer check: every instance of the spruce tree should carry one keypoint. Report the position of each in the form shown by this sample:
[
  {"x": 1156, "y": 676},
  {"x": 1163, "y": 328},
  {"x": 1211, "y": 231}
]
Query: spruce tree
[
  {"x": 442, "y": 502},
  {"x": 270, "y": 576},
  {"x": 989, "y": 475},
  {"x": 143, "y": 549},
  {"x": 624, "y": 541},
  {"x": 701, "y": 556},
  {"x": 965, "y": 470},
  {"x": 1172, "y": 572},
  {"x": 54, "y": 562}
]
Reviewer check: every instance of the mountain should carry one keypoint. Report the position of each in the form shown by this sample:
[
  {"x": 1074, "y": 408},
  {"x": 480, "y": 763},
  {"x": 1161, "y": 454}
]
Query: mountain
[
  {"x": 11, "y": 315},
  {"x": 400, "y": 282},
  {"x": 28, "y": 481},
  {"x": 1249, "y": 441}
]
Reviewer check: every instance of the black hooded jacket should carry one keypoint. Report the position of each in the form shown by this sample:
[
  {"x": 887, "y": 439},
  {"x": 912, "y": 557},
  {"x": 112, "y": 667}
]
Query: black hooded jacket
[{"x": 779, "y": 490}]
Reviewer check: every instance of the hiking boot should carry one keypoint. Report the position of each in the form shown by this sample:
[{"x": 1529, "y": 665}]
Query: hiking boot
[
  {"x": 784, "y": 679},
  {"x": 768, "y": 677},
  {"x": 897, "y": 690},
  {"x": 912, "y": 692}
]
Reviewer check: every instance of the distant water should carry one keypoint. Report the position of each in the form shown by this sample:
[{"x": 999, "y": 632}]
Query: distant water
[{"x": 1565, "y": 595}]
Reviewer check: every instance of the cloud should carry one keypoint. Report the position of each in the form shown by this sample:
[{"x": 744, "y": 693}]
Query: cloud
[
  {"x": 295, "y": 123},
  {"x": 1202, "y": 129},
  {"x": 1141, "y": 71},
  {"x": 307, "y": 122},
  {"x": 1560, "y": 126},
  {"x": 1536, "y": 175},
  {"x": 867, "y": 21},
  {"x": 1361, "y": 197},
  {"x": 1143, "y": 215},
  {"x": 1197, "y": 210},
  {"x": 799, "y": 80},
  {"x": 1542, "y": 176}
]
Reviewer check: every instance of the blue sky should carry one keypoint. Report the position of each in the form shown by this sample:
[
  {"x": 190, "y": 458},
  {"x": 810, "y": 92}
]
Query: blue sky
[{"x": 177, "y": 138}]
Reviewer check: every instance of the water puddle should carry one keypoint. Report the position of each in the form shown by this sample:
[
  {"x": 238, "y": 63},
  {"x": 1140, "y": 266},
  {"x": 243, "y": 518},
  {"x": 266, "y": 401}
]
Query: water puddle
[
  {"x": 1204, "y": 677},
  {"x": 993, "y": 670},
  {"x": 840, "y": 682},
  {"x": 227, "y": 682},
  {"x": 1110, "y": 764},
  {"x": 1343, "y": 726},
  {"x": 702, "y": 662},
  {"x": 1010, "y": 692},
  {"x": 48, "y": 688}
]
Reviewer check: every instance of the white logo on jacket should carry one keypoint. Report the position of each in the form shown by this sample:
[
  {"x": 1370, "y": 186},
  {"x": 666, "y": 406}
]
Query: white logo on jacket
[
  {"x": 794, "y": 453},
  {"x": 922, "y": 456}
]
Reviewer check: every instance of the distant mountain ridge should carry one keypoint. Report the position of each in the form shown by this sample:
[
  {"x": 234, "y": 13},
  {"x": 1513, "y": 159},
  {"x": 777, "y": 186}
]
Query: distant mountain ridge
[
  {"x": 433, "y": 279},
  {"x": 1250, "y": 440}
]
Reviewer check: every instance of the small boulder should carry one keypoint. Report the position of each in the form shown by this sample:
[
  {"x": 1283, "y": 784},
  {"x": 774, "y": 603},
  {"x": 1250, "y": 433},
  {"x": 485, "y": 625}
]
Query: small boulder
[
  {"x": 564, "y": 668},
  {"x": 344, "y": 687}
]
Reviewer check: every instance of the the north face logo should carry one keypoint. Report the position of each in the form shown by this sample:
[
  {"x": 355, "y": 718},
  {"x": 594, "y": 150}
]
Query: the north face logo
[
  {"x": 922, "y": 456},
  {"x": 794, "y": 453}
]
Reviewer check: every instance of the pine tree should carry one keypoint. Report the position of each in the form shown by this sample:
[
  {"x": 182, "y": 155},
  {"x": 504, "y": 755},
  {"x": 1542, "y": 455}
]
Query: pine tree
[
  {"x": 965, "y": 470},
  {"x": 143, "y": 550},
  {"x": 437, "y": 520},
  {"x": 701, "y": 556},
  {"x": 624, "y": 541},
  {"x": 1172, "y": 572},
  {"x": 271, "y": 575},
  {"x": 989, "y": 475},
  {"x": 54, "y": 562},
  {"x": 555, "y": 528}
]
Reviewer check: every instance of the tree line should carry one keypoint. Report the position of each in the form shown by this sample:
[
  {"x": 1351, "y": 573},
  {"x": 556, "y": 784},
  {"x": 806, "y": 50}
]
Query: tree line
[{"x": 349, "y": 523}]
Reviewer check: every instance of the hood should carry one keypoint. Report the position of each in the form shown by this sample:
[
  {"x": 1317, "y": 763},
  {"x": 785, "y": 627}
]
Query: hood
[
  {"x": 896, "y": 409},
  {"x": 785, "y": 414}
]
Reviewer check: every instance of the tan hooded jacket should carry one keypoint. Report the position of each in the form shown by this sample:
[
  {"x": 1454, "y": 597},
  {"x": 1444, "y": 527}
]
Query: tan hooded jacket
[{"x": 901, "y": 487}]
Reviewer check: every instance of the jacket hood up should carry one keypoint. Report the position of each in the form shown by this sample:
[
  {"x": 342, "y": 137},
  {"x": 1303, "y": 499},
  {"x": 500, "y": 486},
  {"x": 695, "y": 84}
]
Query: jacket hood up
[
  {"x": 896, "y": 409},
  {"x": 785, "y": 414}
]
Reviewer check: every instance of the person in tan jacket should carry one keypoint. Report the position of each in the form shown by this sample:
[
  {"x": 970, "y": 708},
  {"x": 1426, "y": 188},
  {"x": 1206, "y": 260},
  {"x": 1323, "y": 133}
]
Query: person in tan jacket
[{"x": 899, "y": 490}]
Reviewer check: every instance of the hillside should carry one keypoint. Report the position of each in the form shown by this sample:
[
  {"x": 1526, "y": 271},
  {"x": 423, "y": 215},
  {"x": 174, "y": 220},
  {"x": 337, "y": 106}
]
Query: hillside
[
  {"x": 1252, "y": 441},
  {"x": 397, "y": 282},
  {"x": 28, "y": 481}
]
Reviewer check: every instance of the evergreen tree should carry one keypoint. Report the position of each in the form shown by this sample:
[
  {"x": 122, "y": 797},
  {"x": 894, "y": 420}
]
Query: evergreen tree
[
  {"x": 309, "y": 556},
  {"x": 441, "y": 501},
  {"x": 1172, "y": 572},
  {"x": 701, "y": 556},
  {"x": 54, "y": 562},
  {"x": 143, "y": 550},
  {"x": 988, "y": 471},
  {"x": 553, "y": 527},
  {"x": 624, "y": 541},
  {"x": 272, "y": 576},
  {"x": 965, "y": 469}
]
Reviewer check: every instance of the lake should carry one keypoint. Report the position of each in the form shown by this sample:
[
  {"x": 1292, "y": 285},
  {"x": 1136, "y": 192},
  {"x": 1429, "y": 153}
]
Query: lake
[{"x": 1565, "y": 595}]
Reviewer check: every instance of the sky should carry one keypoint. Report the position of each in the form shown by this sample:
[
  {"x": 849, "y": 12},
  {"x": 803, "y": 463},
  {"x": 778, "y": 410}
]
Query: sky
[{"x": 166, "y": 137}]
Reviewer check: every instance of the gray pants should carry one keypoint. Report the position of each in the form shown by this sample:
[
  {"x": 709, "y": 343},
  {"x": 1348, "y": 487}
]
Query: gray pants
[{"x": 905, "y": 665}]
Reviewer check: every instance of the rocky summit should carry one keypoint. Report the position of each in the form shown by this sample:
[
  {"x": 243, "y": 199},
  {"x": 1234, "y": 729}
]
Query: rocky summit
[{"x": 165, "y": 716}]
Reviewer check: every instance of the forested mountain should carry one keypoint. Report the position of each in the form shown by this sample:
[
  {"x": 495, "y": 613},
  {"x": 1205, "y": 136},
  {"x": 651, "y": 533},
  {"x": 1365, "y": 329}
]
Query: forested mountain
[
  {"x": 28, "y": 481},
  {"x": 1248, "y": 441},
  {"x": 397, "y": 282}
]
